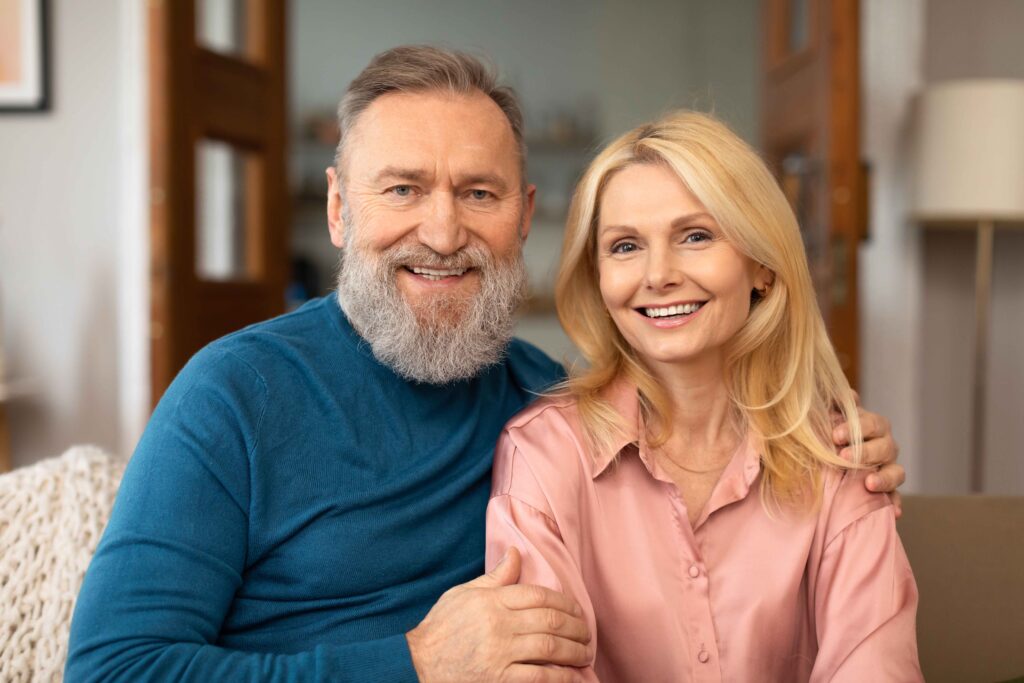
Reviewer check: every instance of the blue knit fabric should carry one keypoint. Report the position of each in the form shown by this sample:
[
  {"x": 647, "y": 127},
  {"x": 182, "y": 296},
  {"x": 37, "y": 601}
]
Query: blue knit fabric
[{"x": 293, "y": 508}]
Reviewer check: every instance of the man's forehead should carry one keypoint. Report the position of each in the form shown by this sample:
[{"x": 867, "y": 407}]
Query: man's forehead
[{"x": 422, "y": 130}]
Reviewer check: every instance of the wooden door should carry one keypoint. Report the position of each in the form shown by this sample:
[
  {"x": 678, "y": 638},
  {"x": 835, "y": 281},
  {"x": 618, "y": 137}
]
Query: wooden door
[
  {"x": 218, "y": 196},
  {"x": 811, "y": 139}
]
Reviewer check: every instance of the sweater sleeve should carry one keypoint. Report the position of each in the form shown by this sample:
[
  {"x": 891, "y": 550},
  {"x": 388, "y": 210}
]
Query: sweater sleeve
[
  {"x": 865, "y": 601},
  {"x": 174, "y": 552}
]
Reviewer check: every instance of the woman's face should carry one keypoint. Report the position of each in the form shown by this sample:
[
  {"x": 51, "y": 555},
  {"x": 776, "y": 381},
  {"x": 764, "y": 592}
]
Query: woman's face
[{"x": 675, "y": 287}]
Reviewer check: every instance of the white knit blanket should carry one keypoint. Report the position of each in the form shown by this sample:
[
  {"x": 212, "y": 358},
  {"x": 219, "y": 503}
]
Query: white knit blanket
[{"x": 51, "y": 517}]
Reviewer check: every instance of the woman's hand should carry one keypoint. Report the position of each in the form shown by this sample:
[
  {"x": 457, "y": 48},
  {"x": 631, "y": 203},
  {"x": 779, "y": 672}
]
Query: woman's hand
[{"x": 879, "y": 449}]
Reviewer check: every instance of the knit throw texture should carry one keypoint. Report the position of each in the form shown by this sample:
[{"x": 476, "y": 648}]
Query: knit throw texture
[{"x": 52, "y": 514}]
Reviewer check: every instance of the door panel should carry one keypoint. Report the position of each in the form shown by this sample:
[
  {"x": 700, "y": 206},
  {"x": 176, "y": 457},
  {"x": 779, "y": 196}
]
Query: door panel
[
  {"x": 811, "y": 131},
  {"x": 219, "y": 250}
]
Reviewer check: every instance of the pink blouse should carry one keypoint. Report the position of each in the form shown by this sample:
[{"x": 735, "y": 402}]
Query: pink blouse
[{"x": 825, "y": 595}]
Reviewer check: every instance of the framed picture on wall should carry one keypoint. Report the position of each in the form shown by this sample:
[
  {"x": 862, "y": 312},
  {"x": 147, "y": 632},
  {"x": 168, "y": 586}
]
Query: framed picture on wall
[{"x": 24, "y": 55}]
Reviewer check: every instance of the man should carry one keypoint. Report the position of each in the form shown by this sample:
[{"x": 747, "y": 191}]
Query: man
[{"x": 310, "y": 487}]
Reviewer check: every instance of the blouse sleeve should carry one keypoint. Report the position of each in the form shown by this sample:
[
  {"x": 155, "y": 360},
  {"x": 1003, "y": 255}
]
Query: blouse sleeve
[
  {"x": 865, "y": 601},
  {"x": 511, "y": 521}
]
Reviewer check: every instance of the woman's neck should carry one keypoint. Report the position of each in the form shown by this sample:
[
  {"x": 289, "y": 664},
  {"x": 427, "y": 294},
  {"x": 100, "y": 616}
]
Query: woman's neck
[{"x": 702, "y": 417}]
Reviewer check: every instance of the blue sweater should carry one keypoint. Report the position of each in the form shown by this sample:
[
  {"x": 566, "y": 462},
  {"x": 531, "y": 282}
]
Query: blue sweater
[{"x": 293, "y": 508}]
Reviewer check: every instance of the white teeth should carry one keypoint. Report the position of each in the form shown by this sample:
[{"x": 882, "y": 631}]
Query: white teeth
[
  {"x": 436, "y": 273},
  {"x": 679, "y": 309}
]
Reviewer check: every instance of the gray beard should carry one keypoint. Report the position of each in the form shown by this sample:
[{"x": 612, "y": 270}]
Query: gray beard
[{"x": 449, "y": 338}]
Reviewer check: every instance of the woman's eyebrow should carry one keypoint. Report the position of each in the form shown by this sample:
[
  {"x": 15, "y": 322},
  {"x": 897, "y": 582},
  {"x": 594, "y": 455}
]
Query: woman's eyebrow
[
  {"x": 678, "y": 222},
  {"x": 682, "y": 221}
]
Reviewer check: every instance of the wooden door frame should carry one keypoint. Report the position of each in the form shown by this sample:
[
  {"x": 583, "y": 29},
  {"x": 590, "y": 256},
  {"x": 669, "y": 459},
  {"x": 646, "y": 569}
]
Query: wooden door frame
[{"x": 196, "y": 93}]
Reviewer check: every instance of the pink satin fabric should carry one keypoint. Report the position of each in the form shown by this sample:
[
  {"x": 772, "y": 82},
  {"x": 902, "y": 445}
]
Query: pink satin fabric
[{"x": 824, "y": 595}]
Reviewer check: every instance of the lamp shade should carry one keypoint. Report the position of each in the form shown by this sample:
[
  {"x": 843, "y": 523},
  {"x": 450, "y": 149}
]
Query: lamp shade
[{"x": 970, "y": 151}]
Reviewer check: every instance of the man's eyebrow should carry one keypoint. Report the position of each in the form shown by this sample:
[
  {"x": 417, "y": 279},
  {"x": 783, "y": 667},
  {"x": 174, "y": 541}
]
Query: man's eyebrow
[
  {"x": 495, "y": 181},
  {"x": 400, "y": 173}
]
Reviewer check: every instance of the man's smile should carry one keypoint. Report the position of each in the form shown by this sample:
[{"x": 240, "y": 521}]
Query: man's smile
[{"x": 436, "y": 274}]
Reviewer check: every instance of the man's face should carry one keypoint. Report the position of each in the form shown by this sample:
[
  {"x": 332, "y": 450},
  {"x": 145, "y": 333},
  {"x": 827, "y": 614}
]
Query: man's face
[
  {"x": 430, "y": 218},
  {"x": 437, "y": 170}
]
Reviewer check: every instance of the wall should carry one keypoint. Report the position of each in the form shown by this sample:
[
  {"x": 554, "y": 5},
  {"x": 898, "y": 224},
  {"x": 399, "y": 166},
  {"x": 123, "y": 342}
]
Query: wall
[
  {"x": 918, "y": 285},
  {"x": 69, "y": 181},
  {"x": 980, "y": 39},
  {"x": 615, "y": 62},
  {"x": 892, "y": 38}
]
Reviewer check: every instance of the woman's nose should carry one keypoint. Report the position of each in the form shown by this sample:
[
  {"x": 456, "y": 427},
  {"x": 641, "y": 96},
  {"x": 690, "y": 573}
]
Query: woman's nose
[{"x": 663, "y": 269}]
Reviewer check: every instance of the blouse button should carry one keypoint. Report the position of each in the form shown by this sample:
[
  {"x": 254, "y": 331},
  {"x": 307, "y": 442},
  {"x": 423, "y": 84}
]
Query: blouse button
[
  {"x": 694, "y": 571},
  {"x": 703, "y": 656}
]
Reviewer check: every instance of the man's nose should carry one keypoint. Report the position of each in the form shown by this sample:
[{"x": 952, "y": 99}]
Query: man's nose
[
  {"x": 663, "y": 268},
  {"x": 441, "y": 228}
]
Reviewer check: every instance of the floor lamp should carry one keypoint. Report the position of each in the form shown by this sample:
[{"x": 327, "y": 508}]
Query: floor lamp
[{"x": 970, "y": 174}]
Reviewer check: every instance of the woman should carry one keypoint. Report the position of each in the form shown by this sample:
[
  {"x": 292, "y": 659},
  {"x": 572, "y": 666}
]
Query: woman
[{"x": 683, "y": 488}]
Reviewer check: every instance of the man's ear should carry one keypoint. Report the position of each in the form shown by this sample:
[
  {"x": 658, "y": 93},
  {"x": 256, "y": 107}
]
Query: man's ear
[
  {"x": 529, "y": 204},
  {"x": 335, "y": 222}
]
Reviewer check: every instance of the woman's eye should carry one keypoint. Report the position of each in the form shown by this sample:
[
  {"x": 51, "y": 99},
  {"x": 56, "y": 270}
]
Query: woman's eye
[
  {"x": 479, "y": 195},
  {"x": 623, "y": 247},
  {"x": 697, "y": 236}
]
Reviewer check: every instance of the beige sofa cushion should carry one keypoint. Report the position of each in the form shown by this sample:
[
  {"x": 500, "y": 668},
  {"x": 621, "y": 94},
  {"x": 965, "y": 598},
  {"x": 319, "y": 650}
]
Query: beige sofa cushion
[
  {"x": 51, "y": 517},
  {"x": 967, "y": 553}
]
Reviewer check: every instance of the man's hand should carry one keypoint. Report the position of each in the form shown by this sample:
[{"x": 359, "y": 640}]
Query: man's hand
[
  {"x": 879, "y": 449},
  {"x": 493, "y": 630}
]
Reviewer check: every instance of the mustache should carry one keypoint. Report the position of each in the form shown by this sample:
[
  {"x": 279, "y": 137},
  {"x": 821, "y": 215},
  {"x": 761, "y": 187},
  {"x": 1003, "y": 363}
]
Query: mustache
[{"x": 408, "y": 255}]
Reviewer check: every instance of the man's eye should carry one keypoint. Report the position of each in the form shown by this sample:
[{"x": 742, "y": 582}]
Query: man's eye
[
  {"x": 401, "y": 190},
  {"x": 480, "y": 195}
]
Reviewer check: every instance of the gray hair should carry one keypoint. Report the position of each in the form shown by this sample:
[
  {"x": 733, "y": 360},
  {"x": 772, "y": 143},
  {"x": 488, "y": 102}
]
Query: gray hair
[{"x": 424, "y": 68}]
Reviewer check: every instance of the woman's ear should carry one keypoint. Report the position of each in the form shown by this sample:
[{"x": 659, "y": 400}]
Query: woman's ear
[{"x": 764, "y": 278}]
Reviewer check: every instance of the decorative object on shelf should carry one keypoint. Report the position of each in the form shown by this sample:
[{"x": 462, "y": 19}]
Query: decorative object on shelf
[
  {"x": 24, "y": 56},
  {"x": 970, "y": 174}
]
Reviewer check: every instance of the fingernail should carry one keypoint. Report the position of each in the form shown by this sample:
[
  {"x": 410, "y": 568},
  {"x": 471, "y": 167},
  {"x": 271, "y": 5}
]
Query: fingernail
[
  {"x": 873, "y": 482},
  {"x": 846, "y": 454},
  {"x": 839, "y": 433}
]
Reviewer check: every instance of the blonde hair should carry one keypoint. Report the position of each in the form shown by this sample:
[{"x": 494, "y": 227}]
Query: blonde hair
[{"x": 782, "y": 373}]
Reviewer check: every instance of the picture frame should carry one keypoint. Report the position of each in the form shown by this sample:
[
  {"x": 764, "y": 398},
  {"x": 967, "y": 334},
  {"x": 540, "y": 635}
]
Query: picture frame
[{"x": 24, "y": 56}]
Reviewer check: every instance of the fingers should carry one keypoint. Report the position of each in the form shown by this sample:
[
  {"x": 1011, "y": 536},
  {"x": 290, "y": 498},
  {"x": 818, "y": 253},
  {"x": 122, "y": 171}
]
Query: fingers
[
  {"x": 544, "y": 648},
  {"x": 873, "y": 427},
  {"x": 554, "y": 622},
  {"x": 837, "y": 414},
  {"x": 879, "y": 451},
  {"x": 505, "y": 573},
  {"x": 532, "y": 673},
  {"x": 520, "y": 597},
  {"x": 897, "y": 502},
  {"x": 887, "y": 479}
]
